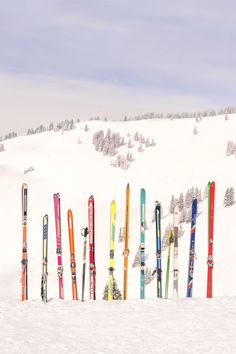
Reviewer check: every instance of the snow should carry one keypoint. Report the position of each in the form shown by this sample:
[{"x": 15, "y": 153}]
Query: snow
[
  {"x": 179, "y": 161},
  {"x": 134, "y": 326}
]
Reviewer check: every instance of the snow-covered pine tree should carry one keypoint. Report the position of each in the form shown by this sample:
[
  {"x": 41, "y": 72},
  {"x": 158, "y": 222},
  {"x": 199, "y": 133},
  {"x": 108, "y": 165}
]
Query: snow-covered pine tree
[
  {"x": 181, "y": 202},
  {"x": 116, "y": 292},
  {"x": 1, "y": 147},
  {"x": 140, "y": 148},
  {"x": 121, "y": 234},
  {"x": 229, "y": 197},
  {"x": 148, "y": 276},
  {"x": 195, "y": 130}
]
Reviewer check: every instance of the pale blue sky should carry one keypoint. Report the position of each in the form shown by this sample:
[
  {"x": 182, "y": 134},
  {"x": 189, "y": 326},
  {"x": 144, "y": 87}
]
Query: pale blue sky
[{"x": 66, "y": 59}]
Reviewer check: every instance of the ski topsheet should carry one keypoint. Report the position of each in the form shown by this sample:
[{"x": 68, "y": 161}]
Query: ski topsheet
[
  {"x": 57, "y": 210},
  {"x": 192, "y": 249},
  {"x": 72, "y": 255},
  {"x": 170, "y": 237},
  {"x": 175, "y": 262},
  {"x": 112, "y": 244},
  {"x": 210, "y": 263},
  {"x": 92, "y": 266},
  {"x": 158, "y": 247},
  {"x": 142, "y": 241},
  {"x": 44, "y": 259},
  {"x": 24, "y": 261},
  {"x": 84, "y": 233},
  {"x": 126, "y": 239}
]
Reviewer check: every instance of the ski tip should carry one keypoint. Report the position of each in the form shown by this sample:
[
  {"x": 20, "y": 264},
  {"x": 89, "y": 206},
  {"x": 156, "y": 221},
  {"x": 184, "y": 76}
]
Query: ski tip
[
  {"x": 69, "y": 213},
  {"x": 56, "y": 196},
  {"x": 45, "y": 218},
  {"x": 24, "y": 186},
  {"x": 91, "y": 198}
]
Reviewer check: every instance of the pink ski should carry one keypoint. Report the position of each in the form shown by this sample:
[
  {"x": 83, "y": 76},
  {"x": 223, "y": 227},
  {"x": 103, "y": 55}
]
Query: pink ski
[
  {"x": 57, "y": 209},
  {"x": 92, "y": 267}
]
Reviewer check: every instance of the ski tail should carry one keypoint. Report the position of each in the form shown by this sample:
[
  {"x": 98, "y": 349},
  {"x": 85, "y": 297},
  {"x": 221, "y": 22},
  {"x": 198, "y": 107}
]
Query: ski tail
[
  {"x": 126, "y": 239},
  {"x": 72, "y": 254},
  {"x": 210, "y": 263},
  {"x": 24, "y": 261}
]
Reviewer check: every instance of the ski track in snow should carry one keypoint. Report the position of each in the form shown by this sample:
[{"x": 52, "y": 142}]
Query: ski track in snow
[{"x": 134, "y": 326}]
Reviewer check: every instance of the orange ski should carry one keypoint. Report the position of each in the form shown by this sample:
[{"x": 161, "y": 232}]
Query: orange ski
[{"x": 72, "y": 255}]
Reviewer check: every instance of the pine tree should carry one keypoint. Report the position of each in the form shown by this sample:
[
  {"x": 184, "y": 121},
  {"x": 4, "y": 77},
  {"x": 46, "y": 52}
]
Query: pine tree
[
  {"x": 148, "y": 276},
  {"x": 229, "y": 197},
  {"x": 116, "y": 292}
]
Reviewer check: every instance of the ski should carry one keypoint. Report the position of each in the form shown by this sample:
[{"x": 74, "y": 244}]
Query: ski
[
  {"x": 72, "y": 254},
  {"x": 57, "y": 210},
  {"x": 24, "y": 261},
  {"x": 112, "y": 244},
  {"x": 192, "y": 249},
  {"x": 142, "y": 241},
  {"x": 44, "y": 260},
  {"x": 175, "y": 262},
  {"x": 210, "y": 263},
  {"x": 84, "y": 233},
  {"x": 126, "y": 246},
  {"x": 170, "y": 240},
  {"x": 92, "y": 266},
  {"x": 158, "y": 247}
]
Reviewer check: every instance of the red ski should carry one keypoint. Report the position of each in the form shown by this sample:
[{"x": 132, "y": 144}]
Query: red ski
[
  {"x": 92, "y": 267},
  {"x": 210, "y": 263}
]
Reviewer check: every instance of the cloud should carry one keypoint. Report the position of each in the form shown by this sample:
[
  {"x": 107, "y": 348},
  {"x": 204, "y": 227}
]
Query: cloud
[{"x": 27, "y": 102}]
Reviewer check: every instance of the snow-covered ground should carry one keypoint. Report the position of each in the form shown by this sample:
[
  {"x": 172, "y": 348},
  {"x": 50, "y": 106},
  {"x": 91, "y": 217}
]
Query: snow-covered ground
[
  {"x": 179, "y": 161},
  {"x": 135, "y": 326}
]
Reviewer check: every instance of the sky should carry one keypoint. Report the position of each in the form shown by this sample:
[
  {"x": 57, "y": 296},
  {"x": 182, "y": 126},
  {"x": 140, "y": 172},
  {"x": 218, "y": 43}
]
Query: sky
[{"x": 69, "y": 59}]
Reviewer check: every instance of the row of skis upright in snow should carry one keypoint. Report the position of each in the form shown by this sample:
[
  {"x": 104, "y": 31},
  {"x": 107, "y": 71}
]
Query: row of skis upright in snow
[{"x": 89, "y": 232}]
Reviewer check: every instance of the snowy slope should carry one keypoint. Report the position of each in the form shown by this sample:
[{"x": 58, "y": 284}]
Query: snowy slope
[{"x": 179, "y": 161}]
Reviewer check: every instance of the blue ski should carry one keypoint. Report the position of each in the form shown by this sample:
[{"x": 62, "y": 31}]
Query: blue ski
[{"x": 192, "y": 249}]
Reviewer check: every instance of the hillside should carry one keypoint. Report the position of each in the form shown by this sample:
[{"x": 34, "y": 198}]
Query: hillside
[{"x": 178, "y": 161}]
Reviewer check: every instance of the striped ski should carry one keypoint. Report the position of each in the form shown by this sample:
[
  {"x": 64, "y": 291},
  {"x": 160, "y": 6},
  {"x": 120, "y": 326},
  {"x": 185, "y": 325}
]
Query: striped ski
[
  {"x": 44, "y": 260},
  {"x": 175, "y": 262},
  {"x": 210, "y": 263},
  {"x": 57, "y": 211},
  {"x": 72, "y": 254},
  {"x": 142, "y": 241},
  {"x": 112, "y": 247},
  {"x": 92, "y": 266},
  {"x": 158, "y": 247},
  {"x": 24, "y": 261},
  {"x": 192, "y": 249},
  {"x": 126, "y": 247}
]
